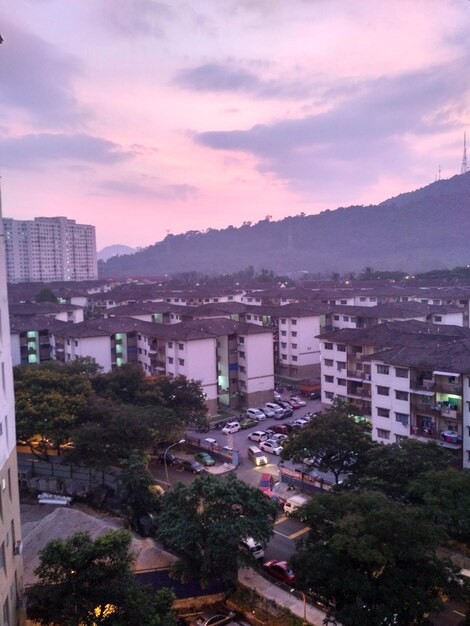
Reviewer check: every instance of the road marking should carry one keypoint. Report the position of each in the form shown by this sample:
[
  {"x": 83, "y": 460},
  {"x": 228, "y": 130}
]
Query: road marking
[
  {"x": 283, "y": 518},
  {"x": 276, "y": 532},
  {"x": 299, "y": 532},
  {"x": 458, "y": 613}
]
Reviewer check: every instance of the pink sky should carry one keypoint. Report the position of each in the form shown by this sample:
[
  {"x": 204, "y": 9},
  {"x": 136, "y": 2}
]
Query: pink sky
[{"x": 144, "y": 117}]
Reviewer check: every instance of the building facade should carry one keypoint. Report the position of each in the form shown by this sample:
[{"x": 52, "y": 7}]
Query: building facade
[
  {"x": 11, "y": 564},
  {"x": 49, "y": 249}
]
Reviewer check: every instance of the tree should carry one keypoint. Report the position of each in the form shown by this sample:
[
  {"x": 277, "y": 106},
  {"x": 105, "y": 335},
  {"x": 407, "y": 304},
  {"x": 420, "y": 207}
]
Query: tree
[
  {"x": 46, "y": 295},
  {"x": 205, "y": 522},
  {"x": 137, "y": 491},
  {"x": 89, "y": 582},
  {"x": 445, "y": 496},
  {"x": 332, "y": 441},
  {"x": 374, "y": 559},
  {"x": 392, "y": 468},
  {"x": 48, "y": 401}
]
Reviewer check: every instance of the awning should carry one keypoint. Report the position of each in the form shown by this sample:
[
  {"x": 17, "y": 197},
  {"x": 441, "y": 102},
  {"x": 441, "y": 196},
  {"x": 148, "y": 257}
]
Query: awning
[{"x": 445, "y": 373}]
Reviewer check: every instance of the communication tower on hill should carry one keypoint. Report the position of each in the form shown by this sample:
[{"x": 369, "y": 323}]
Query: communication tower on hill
[{"x": 464, "y": 168}]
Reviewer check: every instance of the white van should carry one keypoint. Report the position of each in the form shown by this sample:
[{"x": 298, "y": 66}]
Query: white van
[
  {"x": 295, "y": 502},
  {"x": 256, "y": 456},
  {"x": 252, "y": 546}
]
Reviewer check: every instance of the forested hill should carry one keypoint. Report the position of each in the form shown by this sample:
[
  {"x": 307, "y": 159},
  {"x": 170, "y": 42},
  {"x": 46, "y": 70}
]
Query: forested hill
[{"x": 415, "y": 231}]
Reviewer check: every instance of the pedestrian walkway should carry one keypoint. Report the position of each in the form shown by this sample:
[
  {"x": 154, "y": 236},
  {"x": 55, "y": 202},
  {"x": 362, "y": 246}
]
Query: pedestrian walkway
[{"x": 249, "y": 578}]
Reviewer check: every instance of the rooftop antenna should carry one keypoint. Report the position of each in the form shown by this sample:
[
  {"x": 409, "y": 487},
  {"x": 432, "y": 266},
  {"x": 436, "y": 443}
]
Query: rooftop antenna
[
  {"x": 439, "y": 177},
  {"x": 464, "y": 168}
]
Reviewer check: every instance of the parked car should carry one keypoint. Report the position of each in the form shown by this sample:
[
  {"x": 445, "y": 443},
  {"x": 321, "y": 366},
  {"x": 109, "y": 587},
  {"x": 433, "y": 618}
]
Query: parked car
[
  {"x": 315, "y": 395},
  {"x": 271, "y": 446},
  {"x": 298, "y": 400},
  {"x": 288, "y": 410},
  {"x": 247, "y": 422},
  {"x": 279, "y": 412},
  {"x": 279, "y": 570},
  {"x": 191, "y": 466},
  {"x": 267, "y": 411},
  {"x": 279, "y": 437},
  {"x": 204, "y": 458},
  {"x": 300, "y": 422},
  {"x": 258, "y": 435},
  {"x": 231, "y": 427},
  {"x": 213, "y": 618},
  {"x": 294, "y": 404},
  {"x": 284, "y": 429},
  {"x": 256, "y": 414},
  {"x": 170, "y": 458},
  {"x": 266, "y": 482},
  {"x": 277, "y": 396}
]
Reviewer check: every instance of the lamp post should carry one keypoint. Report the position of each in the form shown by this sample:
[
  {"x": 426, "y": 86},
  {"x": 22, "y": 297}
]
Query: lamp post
[
  {"x": 177, "y": 443},
  {"x": 304, "y": 623}
]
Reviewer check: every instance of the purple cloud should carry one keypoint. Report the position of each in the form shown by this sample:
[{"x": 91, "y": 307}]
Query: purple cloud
[
  {"x": 159, "y": 192},
  {"x": 33, "y": 150},
  {"x": 36, "y": 77},
  {"x": 133, "y": 18},
  {"x": 219, "y": 77}
]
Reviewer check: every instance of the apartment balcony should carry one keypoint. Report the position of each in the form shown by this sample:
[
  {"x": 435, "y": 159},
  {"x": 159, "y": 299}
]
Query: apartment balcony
[
  {"x": 422, "y": 384},
  {"x": 446, "y": 387},
  {"x": 360, "y": 392},
  {"x": 425, "y": 407},
  {"x": 359, "y": 374}
]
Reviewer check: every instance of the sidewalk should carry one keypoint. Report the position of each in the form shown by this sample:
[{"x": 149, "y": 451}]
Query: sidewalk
[{"x": 271, "y": 591}]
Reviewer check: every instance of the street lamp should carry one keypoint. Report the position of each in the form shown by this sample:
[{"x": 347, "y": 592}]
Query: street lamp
[
  {"x": 304, "y": 623},
  {"x": 177, "y": 443}
]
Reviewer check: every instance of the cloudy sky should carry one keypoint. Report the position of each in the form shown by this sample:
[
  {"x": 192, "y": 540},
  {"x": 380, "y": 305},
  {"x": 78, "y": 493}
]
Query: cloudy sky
[{"x": 145, "y": 117}]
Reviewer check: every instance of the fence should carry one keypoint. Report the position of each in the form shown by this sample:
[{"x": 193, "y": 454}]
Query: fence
[{"x": 303, "y": 481}]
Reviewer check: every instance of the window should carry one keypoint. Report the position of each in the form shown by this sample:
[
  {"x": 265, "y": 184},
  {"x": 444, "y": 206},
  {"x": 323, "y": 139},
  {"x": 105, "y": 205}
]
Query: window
[
  {"x": 283, "y": 344},
  {"x": 343, "y": 301},
  {"x": 294, "y": 358},
  {"x": 341, "y": 347},
  {"x": 341, "y": 382},
  {"x": 345, "y": 318},
  {"x": 438, "y": 318},
  {"x": 336, "y": 318},
  {"x": 284, "y": 357},
  {"x": 383, "y": 434},
  {"x": 294, "y": 333},
  {"x": 328, "y": 362},
  {"x": 283, "y": 333},
  {"x": 181, "y": 361},
  {"x": 181, "y": 346},
  {"x": 402, "y": 418},
  {"x": 383, "y": 391},
  {"x": 331, "y": 379},
  {"x": 328, "y": 346},
  {"x": 170, "y": 344},
  {"x": 293, "y": 322},
  {"x": 401, "y": 395},
  {"x": 329, "y": 395},
  {"x": 283, "y": 321},
  {"x": 241, "y": 340},
  {"x": 294, "y": 346},
  {"x": 382, "y": 369},
  {"x": 383, "y": 412},
  {"x": 241, "y": 355},
  {"x": 401, "y": 372},
  {"x": 340, "y": 365},
  {"x": 362, "y": 299},
  {"x": 170, "y": 360}
]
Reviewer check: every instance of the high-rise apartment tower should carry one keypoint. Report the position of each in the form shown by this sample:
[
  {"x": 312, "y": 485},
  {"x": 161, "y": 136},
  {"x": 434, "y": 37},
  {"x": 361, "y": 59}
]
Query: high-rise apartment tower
[{"x": 48, "y": 249}]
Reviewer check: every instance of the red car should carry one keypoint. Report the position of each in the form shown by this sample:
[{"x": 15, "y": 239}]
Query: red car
[
  {"x": 280, "y": 570},
  {"x": 294, "y": 404}
]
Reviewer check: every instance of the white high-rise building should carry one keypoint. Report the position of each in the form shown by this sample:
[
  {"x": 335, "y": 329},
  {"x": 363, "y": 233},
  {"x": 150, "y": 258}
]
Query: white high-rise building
[
  {"x": 11, "y": 563},
  {"x": 49, "y": 249}
]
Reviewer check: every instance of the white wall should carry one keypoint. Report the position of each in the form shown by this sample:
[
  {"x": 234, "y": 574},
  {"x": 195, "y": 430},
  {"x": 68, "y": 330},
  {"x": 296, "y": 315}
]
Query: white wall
[{"x": 259, "y": 362}]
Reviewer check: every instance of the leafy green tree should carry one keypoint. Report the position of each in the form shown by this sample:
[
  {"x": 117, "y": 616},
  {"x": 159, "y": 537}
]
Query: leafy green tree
[
  {"x": 205, "y": 522},
  {"x": 46, "y": 295},
  {"x": 89, "y": 582},
  {"x": 182, "y": 395},
  {"x": 122, "y": 384},
  {"x": 392, "y": 468},
  {"x": 333, "y": 442},
  {"x": 137, "y": 491},
  {"x": 445, "y": 496},
  {"x": 48, "y": 401},
  {"x": 374, "y": 559}
]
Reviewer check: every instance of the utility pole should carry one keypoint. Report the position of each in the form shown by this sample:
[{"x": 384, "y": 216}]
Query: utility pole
[{"x": 464, "y": 168}]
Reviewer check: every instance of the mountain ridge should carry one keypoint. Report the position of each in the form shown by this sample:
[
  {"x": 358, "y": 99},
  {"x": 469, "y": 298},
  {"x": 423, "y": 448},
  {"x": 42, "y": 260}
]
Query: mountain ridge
[{"x": 414, "y": 231}]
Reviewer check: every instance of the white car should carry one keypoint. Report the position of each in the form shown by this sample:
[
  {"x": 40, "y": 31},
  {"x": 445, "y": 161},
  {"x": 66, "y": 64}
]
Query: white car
[
  {"x": 299, "y": 400},
  {"x": 270, "y": 446},
  {"x": 300, "y": 422},
  {"x": 256, "y": 414},
  {"x": 231, "y": 427},
  {"x": 258, "y": 435},
  {"x": 279, "y": 437},
  {"x": 277, "y": 396},
  {"x": 267, "y": 411}
]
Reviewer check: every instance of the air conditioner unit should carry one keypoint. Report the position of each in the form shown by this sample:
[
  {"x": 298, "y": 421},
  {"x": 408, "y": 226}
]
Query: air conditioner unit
[{"x": 18, "y": 548}]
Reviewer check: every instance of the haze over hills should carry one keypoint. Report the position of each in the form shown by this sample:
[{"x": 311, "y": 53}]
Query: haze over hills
[
  {"x": 110, "y": 251},
  {"x": 416, "y": 231}
]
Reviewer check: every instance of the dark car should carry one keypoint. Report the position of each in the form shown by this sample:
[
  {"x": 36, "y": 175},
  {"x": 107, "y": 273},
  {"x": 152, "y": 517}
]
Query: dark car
[
  {"x": 279, "y": 570},
  {"x": 170, "y": 458},
  {"x": 288, "y": 410},
  {"x": 283, "y": 429},
  {"x": 204, "y": 458},
  {"x": 191, "y": 466},
  {"x": 314, "y": 395}
]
